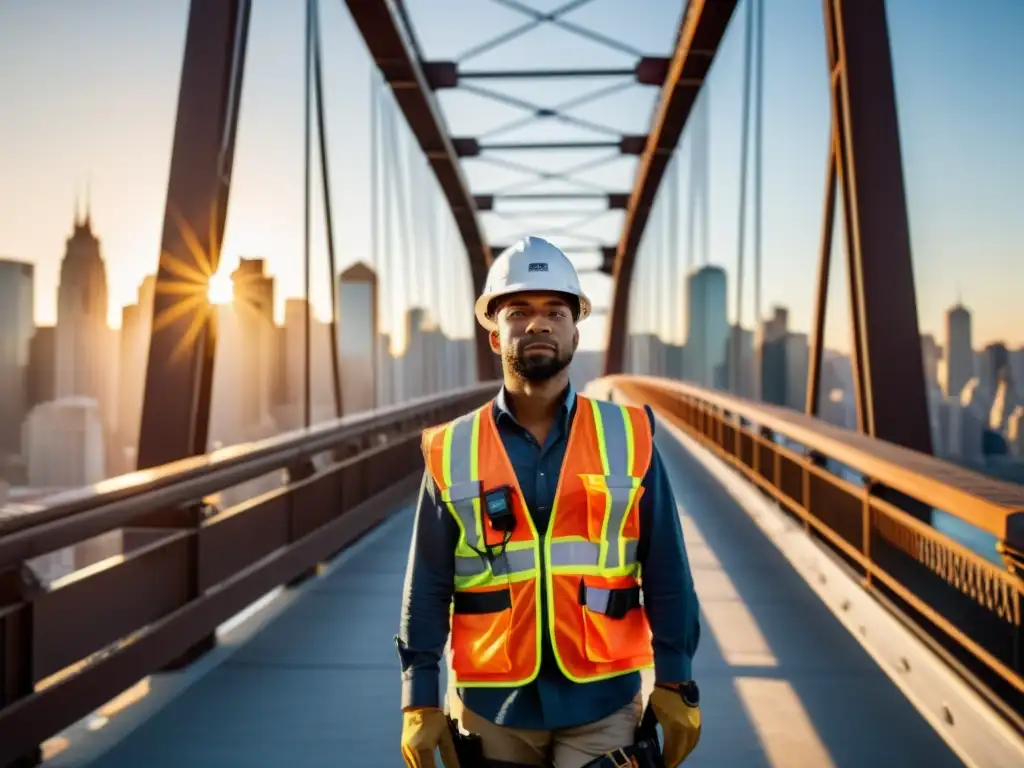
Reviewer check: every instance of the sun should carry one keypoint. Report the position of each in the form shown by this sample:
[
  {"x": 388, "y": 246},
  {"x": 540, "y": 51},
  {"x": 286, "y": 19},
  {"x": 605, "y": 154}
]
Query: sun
[{"x": 220, "y": 289}]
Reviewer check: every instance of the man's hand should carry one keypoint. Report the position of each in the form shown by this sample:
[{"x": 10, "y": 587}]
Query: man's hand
[
  {"x": 677, "y": 708},
  {"x": 425, "y": 729}
]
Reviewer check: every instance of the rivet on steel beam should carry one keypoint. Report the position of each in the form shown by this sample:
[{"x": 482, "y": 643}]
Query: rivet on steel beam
[
  {"x": 608, "y": 253},
  {"x": 618, "y": 201},
  {"x": 441, "y": 74},
  {"x": 652, "y": 70},
  {"x": 632, "y": 145},
  {"x": 484, "y": 202},
  {"x": 466, "y": 147}
]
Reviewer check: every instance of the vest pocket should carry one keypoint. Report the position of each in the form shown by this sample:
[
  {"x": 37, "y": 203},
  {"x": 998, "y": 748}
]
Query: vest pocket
[
  {"x": 615, "y": 626},
  {"x": 481, "y": 623},
  {"x": 614, "y": 498}
]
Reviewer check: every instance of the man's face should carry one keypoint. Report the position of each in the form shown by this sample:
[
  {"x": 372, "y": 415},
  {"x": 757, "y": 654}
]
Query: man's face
[{"x": 536, "y": 334}]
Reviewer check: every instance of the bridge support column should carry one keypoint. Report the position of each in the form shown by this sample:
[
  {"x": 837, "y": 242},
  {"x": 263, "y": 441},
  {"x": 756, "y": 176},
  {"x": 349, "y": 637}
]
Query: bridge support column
[
  {"x": 16, "y": 675},
  {"x": 889, "y": 385},
  {"x": 176, "y": 404},
  {"x": 179, "y": 376}
]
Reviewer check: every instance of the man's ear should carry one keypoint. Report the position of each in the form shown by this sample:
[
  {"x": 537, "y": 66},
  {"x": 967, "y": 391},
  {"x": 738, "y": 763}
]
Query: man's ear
[
  {"x": 495, "y": 340},
  {"x": 575, "y": 338}
]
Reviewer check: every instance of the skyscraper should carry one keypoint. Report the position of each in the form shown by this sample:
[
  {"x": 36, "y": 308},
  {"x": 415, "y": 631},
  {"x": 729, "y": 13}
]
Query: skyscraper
[
  {"x": 136, "y": 323},
  {"x": 774, "y": 368},
  {"x": 254, "y": 307},
  {"x": 16, "y": 330},
  {"x": 959, "y": 353},
  {"x": 707, "y": 331},
  {"x": 357, "y": 337},
  {"x": 83, "y": 335},
  {"x": 42, "y": 365}
]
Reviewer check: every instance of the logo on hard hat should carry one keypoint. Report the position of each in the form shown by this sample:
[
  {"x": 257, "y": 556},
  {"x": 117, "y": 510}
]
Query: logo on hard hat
[{"x": 538, "y": 267}]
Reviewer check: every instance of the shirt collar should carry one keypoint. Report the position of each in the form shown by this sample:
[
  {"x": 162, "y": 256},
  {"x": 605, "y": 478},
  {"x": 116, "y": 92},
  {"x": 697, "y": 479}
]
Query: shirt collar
[{"x": 502, "y": 409}]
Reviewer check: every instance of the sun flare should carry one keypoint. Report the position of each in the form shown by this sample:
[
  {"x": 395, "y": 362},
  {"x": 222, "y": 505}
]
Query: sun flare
[{"x": 220, "y": 289}]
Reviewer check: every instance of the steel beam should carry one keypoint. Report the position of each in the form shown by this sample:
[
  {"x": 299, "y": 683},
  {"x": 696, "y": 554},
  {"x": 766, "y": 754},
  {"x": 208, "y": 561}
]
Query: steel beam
[
  {"x": 701, "y": 30},
  {"x": 888, "y": 369},
  {"x": 389, "y": 41},
  {"x": 176, "y": 403}
]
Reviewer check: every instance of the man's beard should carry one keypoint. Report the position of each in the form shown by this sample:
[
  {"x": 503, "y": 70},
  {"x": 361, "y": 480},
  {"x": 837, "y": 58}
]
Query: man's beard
[{"x": 535, "y": 368}]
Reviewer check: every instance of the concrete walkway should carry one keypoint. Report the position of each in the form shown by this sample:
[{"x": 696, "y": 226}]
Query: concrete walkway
[{"x": 783, "y": 683}]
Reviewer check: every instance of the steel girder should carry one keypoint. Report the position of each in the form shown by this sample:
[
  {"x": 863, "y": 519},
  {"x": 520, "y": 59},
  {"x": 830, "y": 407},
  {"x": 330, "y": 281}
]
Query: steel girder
[
  {"x": 179, "y": 373},
  {"x": 700, "y": 33},
  {"x": 389, "y": 40}
]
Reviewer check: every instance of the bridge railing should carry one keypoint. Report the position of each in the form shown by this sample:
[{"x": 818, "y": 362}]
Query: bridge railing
[
  {"x": 162, "y": 567},
  {"x": 872, "y": 502}
]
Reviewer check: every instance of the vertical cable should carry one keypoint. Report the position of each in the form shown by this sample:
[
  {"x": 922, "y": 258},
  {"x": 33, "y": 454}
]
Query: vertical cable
[
  {"x": 705, "y": 179},
  {"x": 307, "y": 356},
  {"x": 758, "y": 122},
  {"x": 674, "y": 282},
  {"x": 375, "y": 261},
  {"x": 388, "y": 247},
  {"x": 397, "y": 199},
  {"x": 328, "y": 219},
  {"x": 735, "y": 379}
]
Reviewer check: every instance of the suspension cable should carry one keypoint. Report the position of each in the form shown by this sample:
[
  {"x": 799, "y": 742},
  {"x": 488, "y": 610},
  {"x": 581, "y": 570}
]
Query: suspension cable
[
  {"x": 758, "y": 137},
  {"x": 735, "y": 377},
  {"x": 328, "y": 218},
  {"x": 375, "y": 256},
  {"x": 674, "y": 282},
  {"x": 307, "y": 396},
  {"x": 387, "y": 255}
]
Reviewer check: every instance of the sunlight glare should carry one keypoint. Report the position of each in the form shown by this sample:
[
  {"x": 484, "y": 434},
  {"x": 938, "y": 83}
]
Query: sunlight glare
[{"x": 220, "y": 289}]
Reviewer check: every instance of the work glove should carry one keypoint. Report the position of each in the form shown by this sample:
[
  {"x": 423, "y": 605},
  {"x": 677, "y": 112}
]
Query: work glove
[
  {"x": 424, "y": 730},
  {"x": 680, "y": 723}
]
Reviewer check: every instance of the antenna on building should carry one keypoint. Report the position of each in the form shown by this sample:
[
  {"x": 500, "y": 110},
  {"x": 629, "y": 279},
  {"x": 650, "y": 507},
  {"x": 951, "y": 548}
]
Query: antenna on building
[{"x": 88, "y": 201}]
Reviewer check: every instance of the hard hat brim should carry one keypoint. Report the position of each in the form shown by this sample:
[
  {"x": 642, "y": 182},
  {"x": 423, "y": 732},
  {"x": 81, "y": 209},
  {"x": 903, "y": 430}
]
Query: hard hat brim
[{"x": 484, "y": 302}]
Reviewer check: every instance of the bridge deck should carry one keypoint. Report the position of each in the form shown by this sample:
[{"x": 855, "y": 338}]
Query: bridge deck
[{"x": 783, "y": 683}]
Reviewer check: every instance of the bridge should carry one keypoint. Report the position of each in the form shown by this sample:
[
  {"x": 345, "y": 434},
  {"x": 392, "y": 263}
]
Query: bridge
[{"x": 233, "y": 600}]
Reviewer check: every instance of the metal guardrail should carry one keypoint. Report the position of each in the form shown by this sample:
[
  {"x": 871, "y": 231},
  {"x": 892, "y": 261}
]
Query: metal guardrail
[
  {"x": 965, "y": 604},
  {"x": 184, "y": 568}
]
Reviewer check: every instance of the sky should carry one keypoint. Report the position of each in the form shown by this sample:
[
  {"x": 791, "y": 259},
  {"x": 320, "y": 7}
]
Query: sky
[{"x": 89, "y": 90}]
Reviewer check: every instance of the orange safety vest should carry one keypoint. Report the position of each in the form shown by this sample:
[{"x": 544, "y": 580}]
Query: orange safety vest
[{"x": 586, "y": 562}]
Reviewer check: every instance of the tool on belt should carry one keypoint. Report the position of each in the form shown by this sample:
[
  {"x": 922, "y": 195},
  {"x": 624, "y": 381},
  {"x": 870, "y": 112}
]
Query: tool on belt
[{"x": 644, "y": 752}]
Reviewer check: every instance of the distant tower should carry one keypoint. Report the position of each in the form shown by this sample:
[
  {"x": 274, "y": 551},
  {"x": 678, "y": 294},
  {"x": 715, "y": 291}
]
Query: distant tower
[
  {"x": 959, "y": 353},
  {"x": 83, "y": 338}
]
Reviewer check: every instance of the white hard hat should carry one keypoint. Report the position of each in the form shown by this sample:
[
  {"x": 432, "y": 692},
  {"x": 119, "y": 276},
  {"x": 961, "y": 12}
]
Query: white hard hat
[{"x": 532, "y": 264}]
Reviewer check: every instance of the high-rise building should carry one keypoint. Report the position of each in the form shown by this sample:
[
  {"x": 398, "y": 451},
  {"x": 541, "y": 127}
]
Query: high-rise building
[
  {"x": 994, "y": 358},
  {"x": 740, "y": 369},
  {"x": 707, "y": 331},
  {"x": 42, "y": 365},
  {"x": 136, "y": 324},
  {"x": 357, "y": 337},
  {"x": 16, "y": 330},
  {"x": 63, "y": 443},
  {"x": 797, "y": 362},
  {"x": 254, "y": 308},
  {"x": 774, "y": 368},
  {"x": 959, "y": 352},
  {"x": 931, "y": 355},
  {"x": 84, "y": 353}
]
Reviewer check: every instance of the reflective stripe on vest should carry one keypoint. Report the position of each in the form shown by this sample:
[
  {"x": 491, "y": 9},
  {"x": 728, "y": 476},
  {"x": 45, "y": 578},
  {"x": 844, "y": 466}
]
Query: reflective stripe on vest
[{"x": 464, "y": 492}]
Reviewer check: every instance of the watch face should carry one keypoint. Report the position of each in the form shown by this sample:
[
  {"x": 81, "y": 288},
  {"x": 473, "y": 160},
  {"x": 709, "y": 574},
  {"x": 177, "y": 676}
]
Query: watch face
[{"x": 690, "y": 693}]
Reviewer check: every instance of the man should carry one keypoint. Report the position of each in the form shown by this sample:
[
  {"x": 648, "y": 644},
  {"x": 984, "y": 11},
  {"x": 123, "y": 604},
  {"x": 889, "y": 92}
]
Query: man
[{"x": 538, "y": 514}]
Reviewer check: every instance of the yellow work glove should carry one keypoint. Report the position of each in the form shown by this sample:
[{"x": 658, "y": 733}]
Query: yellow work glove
[
  {"x": 424, "y": 730},
  {"x": 679, "y": 722}
]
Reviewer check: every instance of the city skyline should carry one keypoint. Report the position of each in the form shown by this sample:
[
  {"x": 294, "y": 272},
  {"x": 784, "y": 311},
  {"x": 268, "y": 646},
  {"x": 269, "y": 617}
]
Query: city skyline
[{"x": 959, "y": 238}]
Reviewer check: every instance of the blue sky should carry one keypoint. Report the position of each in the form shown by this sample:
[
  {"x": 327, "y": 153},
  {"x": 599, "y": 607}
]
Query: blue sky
[{"x": 89, "y": 90}]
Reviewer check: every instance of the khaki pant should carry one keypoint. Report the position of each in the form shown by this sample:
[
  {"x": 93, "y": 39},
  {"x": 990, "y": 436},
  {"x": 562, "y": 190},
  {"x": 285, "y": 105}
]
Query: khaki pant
[{"x": 566, "y": 747}]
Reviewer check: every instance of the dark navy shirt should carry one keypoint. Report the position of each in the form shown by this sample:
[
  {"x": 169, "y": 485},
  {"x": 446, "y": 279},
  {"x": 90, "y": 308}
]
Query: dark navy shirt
[{"x": 552, "y": 700}]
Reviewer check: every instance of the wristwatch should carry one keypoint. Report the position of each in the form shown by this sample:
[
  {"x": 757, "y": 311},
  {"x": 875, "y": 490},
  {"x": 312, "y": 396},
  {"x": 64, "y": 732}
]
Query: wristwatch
[{"x": 688, "y": 692}]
